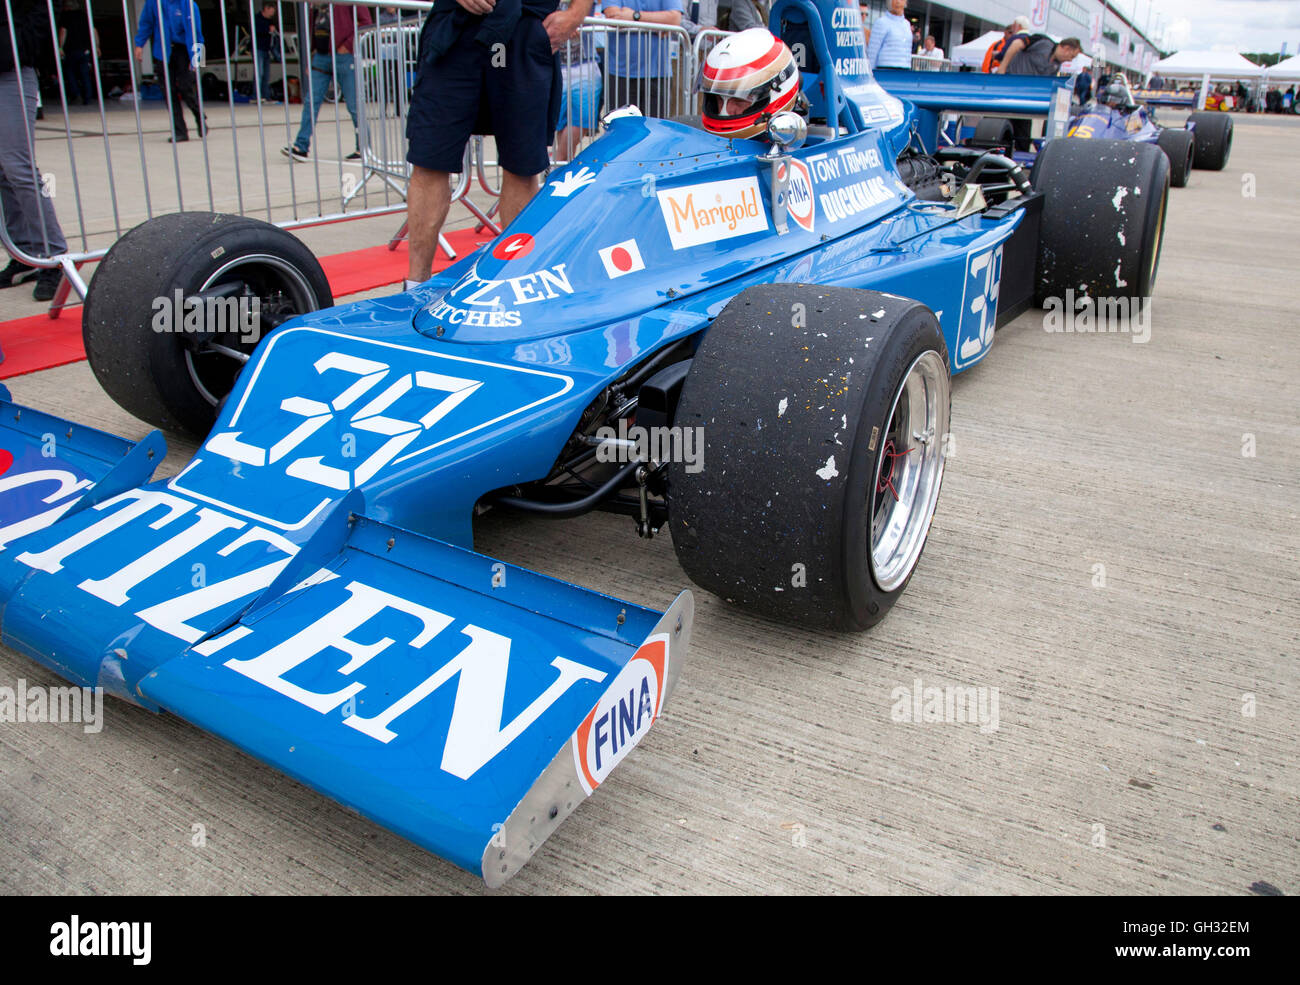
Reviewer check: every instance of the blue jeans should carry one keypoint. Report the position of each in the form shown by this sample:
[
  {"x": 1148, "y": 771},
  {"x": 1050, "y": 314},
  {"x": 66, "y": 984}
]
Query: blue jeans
[
  {"x": 323, "y": 68},
  {"x": 264, "y": 73}
]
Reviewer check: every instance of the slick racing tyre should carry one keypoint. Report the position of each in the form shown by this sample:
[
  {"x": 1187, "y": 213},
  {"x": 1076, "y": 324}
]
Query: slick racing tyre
[
  {"x": 824, "y": 414},
  {"x": 993, "y": 131},
  {"x": 1103, "y": 218},
  {"x": 1213, "y": 139},
  {"x": 169, "y": 362},
  {"x": 1180, "y": 147}
]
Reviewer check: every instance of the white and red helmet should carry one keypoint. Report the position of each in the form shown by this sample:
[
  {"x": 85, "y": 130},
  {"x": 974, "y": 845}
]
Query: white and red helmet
[{"x": 750, "y": 65}]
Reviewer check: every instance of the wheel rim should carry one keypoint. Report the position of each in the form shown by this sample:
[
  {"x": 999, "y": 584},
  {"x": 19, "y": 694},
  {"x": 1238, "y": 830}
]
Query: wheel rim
[
  {"x": 282, "y": 291},
  {"x": 905, "y": 489}
]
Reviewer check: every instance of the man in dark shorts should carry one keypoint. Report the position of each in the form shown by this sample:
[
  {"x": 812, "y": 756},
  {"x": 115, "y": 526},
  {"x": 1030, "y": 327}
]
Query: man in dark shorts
[{"x": 486, "y": 66}]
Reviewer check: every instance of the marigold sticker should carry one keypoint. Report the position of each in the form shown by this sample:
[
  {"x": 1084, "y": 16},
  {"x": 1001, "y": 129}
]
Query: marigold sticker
[{"x": 716, "y": 210}]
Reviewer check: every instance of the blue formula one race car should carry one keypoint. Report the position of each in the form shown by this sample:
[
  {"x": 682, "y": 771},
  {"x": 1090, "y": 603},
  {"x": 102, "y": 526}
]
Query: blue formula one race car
[
  {"x": 1204, "y": 142},
  {"x": 744, "y": 332}
]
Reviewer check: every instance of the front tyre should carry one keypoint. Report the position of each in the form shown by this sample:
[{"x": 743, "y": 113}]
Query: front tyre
[
  {"x": 175, "y": 376},
  {"x": 824, "y": 415}
]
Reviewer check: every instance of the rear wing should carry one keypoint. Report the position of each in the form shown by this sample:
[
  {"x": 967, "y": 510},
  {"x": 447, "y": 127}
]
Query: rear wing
[
  {"x": 1165, "y": 97},
  {"x": 940, "y": 94}
]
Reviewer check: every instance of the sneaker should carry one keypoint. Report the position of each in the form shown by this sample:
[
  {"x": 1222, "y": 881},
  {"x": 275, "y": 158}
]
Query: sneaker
[
  {"x": 295, "y": 153},
  {"x": 47, "y": 282},
  {"x": 16, "y": 273},
  {"x": 183, "y": 138},
  {"x": 354, "y": 156}
]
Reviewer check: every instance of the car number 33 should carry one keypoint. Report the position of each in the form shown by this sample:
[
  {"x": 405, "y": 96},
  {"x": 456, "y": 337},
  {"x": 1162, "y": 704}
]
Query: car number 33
[{"x": 370, "y": 417}]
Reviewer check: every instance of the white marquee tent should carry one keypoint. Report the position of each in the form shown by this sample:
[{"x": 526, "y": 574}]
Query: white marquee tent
[
  {"x": 1287, "y": 70},
  {"x": 1220, "y": 66},
  {"x": 1207, "y": 67}
]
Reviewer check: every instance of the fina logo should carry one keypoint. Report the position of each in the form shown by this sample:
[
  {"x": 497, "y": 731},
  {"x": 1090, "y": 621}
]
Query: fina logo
[
  {"x": 623, "y": 715},
  {"x": 800, "y": 201}
]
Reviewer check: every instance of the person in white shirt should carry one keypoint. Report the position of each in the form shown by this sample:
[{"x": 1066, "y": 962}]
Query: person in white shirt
[{"x": 930, "y": 50}]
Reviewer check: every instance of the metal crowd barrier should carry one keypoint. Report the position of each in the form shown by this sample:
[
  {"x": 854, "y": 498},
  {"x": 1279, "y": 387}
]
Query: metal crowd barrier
[
  {"x": 613, "y": 63},
  {"x": 920, "y": 63},
  {"x": 100, "y": 168}
]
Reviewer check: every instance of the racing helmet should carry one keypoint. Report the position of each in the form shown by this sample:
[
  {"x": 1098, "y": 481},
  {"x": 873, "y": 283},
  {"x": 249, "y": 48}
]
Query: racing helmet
[
  {"x": 752, "y": 65},
  {"x": 1115, "y": 92}
]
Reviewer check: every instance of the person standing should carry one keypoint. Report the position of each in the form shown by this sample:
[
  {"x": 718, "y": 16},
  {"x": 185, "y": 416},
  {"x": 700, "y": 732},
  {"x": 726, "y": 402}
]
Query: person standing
[
  {"x": 638, "y": 62},
  {"x": 177, "y": 37},
  {"x": 891, "y": 39},
  {"x": 699, "y": 15},
  {"x": 333, "y": 38},
  {"x": 740, "y": 15},
  {"x": 996, "y": 54},
  {"x": 930, "y": 50},
  {"x": 76, "y": 39},
  {"x": 583, "y": 88},
  {"x": 486, "y": 66},
  {"x": 266, "y": 41},
  {"x": 1083, "y": 86},
  {"x": 28, "y": 213}
]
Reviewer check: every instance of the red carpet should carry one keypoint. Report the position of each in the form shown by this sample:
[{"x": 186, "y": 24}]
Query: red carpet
[{"x": 39, "y": 342}]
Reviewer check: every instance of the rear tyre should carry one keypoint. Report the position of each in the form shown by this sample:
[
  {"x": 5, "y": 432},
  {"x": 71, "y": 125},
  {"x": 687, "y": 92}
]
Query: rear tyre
[
  {"x": 1103, "y": 218},
  {"x": 154, "y": 368},
  {"x": 1180, "y": 147},
  {"x": 1213, "y": 139},
  {"x": 824, "y": 414},
  {"x": 993, "y": 131}
]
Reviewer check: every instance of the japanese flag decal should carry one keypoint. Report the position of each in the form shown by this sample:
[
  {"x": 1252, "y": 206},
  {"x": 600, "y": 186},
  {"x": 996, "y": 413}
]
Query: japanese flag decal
[{"x": 624, "y": 713}]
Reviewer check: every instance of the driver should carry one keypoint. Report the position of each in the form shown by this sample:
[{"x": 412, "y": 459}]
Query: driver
[
  {"x": 1116, "y": 94},
  {"x": 747, "y": 79}
]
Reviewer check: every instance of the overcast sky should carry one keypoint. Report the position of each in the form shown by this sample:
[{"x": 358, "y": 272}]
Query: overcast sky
[{"x": 1240, "y": 25}]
